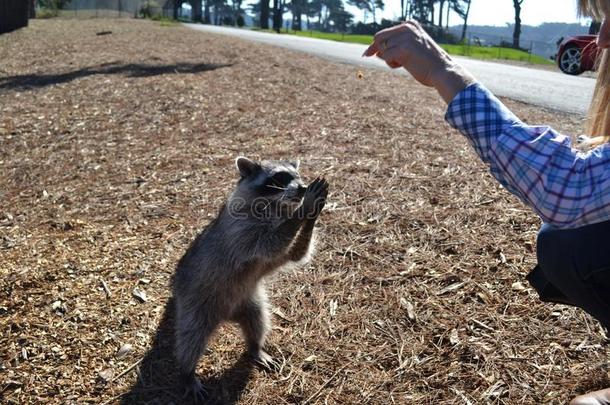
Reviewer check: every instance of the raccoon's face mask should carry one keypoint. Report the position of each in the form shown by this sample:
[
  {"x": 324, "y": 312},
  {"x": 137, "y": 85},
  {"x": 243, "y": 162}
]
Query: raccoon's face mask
[{"x": 274, "y": 187}]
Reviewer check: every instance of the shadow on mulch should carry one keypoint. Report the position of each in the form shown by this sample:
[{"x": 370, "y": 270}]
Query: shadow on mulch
[
  {"x": 158, "y": 380},
  {"x": 31, "y": 81}
]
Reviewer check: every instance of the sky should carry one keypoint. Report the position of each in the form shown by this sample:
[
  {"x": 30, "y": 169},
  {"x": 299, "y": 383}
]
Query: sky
[{"x": 500, "y": 12}]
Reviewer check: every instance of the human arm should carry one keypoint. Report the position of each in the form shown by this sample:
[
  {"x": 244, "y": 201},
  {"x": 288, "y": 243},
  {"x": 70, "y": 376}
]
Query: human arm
[{"x": 565, "y": 187}]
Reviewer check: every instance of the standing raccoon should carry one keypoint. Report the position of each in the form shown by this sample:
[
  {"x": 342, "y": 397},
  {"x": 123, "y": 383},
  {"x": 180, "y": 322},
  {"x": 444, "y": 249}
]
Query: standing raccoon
[{"x": 267, "y": 222}]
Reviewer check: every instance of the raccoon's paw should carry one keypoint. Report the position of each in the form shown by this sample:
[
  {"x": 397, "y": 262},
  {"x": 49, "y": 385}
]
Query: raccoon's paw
[
  {"x": 194, "y": 390},
  {"x": 315, "y": 197},
  {"x": 263, "y": 360}
]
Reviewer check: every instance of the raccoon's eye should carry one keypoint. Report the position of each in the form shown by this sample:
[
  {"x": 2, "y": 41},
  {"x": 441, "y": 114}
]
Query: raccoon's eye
[{"x": 281, "y": 179}]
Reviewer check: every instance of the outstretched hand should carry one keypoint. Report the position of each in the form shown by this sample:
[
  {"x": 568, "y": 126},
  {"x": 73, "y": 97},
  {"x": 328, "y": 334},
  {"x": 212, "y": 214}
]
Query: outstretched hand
[{"x": 409, "y": 46}]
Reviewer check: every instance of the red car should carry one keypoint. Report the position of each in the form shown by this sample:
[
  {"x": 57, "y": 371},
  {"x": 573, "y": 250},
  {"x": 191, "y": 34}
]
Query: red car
[{"x": 577, "y": 54}]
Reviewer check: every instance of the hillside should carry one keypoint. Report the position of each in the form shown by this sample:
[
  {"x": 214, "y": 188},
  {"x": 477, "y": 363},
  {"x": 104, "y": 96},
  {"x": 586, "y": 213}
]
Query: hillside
[{"x": 542, "y": 38}]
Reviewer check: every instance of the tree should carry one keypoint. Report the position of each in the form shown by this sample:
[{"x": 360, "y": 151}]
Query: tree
[
  {"x": 177, "y": 4},
  {"x": 419, "y": 10},
  {"x": 309, "y": 11},
  {"x": 517, "y": 30},
  {"x": 236, "y": 10},
  {"x": 196, "y": 10},
  {"x": 207, "y": 19},
  {"x": 341, "y": 18},
  {"x": 264, "y": 16},
  {"x": 370, "y": 6},
  {"x": 462, "y": 8},
  {"x": 278, "y": 14},
  {"x": 337, "y": 18},
  {"x": 221, "y": 11},
  {"x": 297, "y": 8},
  {"x": 441, "y": 8},
  {"x": 451, "y": 5}
]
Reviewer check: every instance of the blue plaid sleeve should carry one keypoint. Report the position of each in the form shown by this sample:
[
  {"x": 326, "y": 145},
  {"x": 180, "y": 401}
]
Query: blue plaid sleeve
[{"x": 566, "y": 187}]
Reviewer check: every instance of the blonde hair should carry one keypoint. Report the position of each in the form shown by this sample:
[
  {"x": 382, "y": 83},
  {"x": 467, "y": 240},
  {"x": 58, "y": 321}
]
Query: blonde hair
[{"x": 598, "y": 118}]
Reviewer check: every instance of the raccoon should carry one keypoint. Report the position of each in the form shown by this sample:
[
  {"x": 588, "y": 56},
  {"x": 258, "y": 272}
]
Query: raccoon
[{"x": 267, "y": 222}]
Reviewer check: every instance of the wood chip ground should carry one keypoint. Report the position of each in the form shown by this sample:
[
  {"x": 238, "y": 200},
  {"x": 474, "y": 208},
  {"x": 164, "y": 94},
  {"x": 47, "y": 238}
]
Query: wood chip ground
[{"x": 116, "y": 149}]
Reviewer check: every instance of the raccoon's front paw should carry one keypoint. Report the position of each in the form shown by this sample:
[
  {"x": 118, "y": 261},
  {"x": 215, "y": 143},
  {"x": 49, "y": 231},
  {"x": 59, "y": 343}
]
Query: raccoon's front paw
[
  {"x": 315, "y": 198},
  {"x": 263, "y": 360}
]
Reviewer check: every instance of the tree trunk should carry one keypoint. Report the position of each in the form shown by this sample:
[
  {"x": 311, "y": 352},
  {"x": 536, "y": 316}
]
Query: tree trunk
[
  {"x": 33, "y": 9},
  {"x": 465, "y": 26},
  {"x": 320, "y": 17},
  {"x": 206, "y": 12},
  {"x": 447, "y": 19},
  {"x": 410, "y": 9},
  {"x": 440, "y": 13},
  {"x": 264, "y": 14},
  {"x": 277, "y": 15},
  {"x": 298, "y": 16},
  {"x": 325, "y": 19},
  {"x": 196, "y": 10},
  {"x": 517, "y": 31}
]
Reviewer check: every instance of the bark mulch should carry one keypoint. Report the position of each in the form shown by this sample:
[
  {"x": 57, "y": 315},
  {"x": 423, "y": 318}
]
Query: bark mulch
[{"x": 116, "y": 149}]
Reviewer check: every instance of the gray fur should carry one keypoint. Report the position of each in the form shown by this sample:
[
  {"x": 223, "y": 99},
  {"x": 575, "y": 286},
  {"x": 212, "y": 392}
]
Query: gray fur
[{"x": 260, "y": 229}]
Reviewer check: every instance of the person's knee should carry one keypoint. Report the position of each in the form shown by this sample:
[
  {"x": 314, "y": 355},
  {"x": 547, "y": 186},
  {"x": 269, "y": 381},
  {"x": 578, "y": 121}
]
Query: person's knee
[
  {"x": 556, "y": 257},
  {"x": 552, "y": 247}
]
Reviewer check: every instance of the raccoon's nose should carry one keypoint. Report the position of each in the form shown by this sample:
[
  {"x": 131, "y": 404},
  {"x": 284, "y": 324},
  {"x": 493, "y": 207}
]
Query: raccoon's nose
[{"x": 301, "y": 190}]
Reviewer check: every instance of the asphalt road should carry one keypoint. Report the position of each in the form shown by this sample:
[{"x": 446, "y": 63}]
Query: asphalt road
[{"x": 545, "y": 88}]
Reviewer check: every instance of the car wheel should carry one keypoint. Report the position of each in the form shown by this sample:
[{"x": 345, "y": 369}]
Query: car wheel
[{"x": 570, "y": 60}]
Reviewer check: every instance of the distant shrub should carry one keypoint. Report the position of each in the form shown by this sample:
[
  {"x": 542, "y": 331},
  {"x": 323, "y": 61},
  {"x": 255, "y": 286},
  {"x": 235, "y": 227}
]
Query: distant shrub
[
  {"x": 361, "y": 28},
  {"x": 44, "y": 13},
  {"x": 506, "y": 44},
  {"x": 441, "y": 35},
  {"x": 149, "y": 10},
  {"x": 50, "y": 8}
]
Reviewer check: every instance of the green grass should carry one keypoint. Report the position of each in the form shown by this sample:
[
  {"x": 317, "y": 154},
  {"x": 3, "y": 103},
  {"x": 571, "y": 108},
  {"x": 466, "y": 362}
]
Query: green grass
[
  {"x": 473, "y": 51},
  {"x": 495, "y": 52},
  {"x": 357, "y": 39}
]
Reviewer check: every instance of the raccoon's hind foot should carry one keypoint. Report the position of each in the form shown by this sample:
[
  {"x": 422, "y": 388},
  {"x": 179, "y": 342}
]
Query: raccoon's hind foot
[
  {"x": 194, "y": 390},
  {"x": 262, "y": 359}
]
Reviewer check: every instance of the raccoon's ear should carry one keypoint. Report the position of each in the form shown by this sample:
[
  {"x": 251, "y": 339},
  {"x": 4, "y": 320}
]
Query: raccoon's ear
[
  {"x": 246, "y": 166},
  {"x": 295, "y": 163}
]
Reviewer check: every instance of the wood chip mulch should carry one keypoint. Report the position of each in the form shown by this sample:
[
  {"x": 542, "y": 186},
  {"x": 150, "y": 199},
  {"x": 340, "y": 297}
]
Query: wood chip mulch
[{"x": 116, "y": 149}]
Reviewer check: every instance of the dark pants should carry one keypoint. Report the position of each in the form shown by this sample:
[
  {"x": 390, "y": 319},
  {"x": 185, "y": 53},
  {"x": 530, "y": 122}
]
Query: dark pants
[{"x": 574, "y": 268}]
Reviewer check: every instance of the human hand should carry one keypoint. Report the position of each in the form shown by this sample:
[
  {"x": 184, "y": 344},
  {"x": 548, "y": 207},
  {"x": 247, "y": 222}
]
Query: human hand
[{"x": 407, "y": 45}]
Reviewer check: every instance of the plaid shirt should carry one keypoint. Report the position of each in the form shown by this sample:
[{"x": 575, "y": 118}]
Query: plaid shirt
[{"x": 566, "y": 187}]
